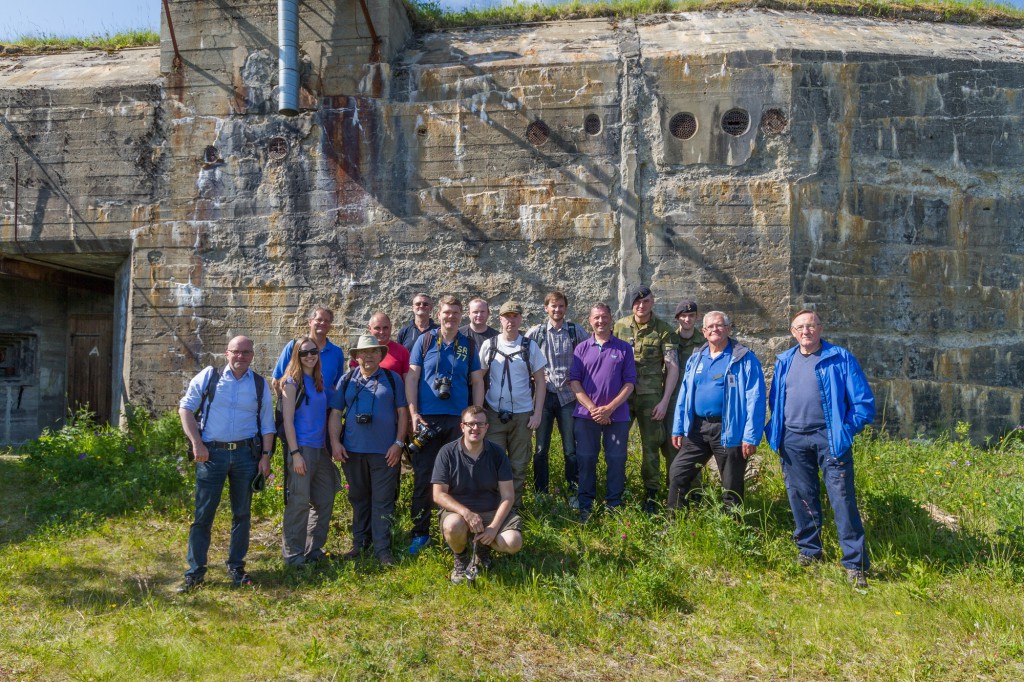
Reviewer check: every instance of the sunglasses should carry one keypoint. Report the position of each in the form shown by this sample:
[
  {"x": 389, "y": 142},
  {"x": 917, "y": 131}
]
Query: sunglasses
[{"x": 307, "y": 353}]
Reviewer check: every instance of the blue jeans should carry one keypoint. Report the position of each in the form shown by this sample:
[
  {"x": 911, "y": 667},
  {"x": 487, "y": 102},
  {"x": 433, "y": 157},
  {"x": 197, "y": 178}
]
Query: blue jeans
[
  {"x": 802, "y": 455},
  {"x": 237, "y": 467},
  {"x": 553, "y": 411},
  {"x": 589, "y": 435}
]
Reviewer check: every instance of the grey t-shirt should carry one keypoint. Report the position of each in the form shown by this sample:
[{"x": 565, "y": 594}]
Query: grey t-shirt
[{"x": 803, "y": 411}]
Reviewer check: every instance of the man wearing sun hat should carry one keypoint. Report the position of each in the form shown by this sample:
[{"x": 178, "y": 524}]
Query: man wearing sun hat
[
  {"x": 369, "y": 419},
  {"x": 514, "y": 401}
]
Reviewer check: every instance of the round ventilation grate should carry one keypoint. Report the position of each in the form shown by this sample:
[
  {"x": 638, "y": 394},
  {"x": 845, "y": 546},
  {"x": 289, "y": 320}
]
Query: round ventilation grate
[
  {"x": 592, "y": 124},
  {"x": 773, "y": 122},
  {"x": 277, "y": 148},
  {"x": 210, "y": 154},
  {"x": 538, "y": 133},
  {"x": 736, "y": 122},
  {"x": 683, "y": 126},
  {"x": 421, "y": 132}
]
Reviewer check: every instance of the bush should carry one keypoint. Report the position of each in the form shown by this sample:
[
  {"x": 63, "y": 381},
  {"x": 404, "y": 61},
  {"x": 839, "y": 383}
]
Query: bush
[{"x": 86, "y": 469}]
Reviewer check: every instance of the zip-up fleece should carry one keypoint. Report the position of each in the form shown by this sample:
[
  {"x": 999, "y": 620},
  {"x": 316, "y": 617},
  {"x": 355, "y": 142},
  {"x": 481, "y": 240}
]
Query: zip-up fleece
[
  {"x": 846, "y": 397},
  {"x": 744, "y": 408}
]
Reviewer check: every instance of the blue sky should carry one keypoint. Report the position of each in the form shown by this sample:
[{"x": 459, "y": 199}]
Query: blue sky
[{"x": 89, "y": 17}]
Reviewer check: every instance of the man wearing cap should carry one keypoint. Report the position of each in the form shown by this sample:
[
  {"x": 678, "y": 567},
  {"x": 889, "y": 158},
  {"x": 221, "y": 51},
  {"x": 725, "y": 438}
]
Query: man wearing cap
[
  {"x": 602, "y": 375},
  {"x": 720, "y": 413},
  {"x": 514, "y": 369},
  {"x": 557, "y": 338},
  {"x": 332, "y": 358},
  {"x": 820, "y": 400},
  {"x": 367, "y": 429},
  {"x": 654, "y": 346},
  {"x": 231, "y": 441},
  {"x": 421, "y": 322},
  {"x": 477, "y": 329}
]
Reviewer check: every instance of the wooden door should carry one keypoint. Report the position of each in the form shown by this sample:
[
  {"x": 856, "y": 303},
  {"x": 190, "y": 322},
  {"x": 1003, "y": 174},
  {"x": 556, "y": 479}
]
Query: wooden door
[{"x": 90, "y": 360}]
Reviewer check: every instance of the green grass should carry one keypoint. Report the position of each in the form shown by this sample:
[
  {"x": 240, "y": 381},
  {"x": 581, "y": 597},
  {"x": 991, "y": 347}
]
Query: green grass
[
  {"x": 429, "y": 15},
  {"x": 86, "y": 583},
  {"x": 108, "y": 41}
]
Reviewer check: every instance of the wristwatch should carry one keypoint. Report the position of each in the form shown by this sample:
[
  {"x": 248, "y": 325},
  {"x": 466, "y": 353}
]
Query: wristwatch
[
  {"x": 296, "y": 451},
  {"x": 399, "y": 443},
  {"x": 266, "y": 453}
]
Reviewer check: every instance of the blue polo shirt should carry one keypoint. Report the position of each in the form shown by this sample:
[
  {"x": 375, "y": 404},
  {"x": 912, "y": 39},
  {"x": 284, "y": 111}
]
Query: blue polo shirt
[
  {"x": 311, "y": 415},
  {"x": 232, "y": 414},
  {"x": 373, "y": 396},
  {"x": 709, "y": 378},
  {"x": 437, "y": 358},
  {"x": 332, "y": 364}
]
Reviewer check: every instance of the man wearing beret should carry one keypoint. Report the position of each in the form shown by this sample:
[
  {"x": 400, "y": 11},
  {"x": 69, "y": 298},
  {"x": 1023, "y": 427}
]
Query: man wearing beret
[{"x": 657, "y": 373}]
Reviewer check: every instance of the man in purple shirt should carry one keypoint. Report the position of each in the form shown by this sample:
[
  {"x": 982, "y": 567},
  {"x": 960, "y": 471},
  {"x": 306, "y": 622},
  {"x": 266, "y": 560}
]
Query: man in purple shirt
[{"x": 603, "y": 375}]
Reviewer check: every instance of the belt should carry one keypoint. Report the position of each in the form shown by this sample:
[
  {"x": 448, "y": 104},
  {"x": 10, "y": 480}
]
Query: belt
[
  {"x": 713, "y": 420},
  {"x": 228, "y": 445}
]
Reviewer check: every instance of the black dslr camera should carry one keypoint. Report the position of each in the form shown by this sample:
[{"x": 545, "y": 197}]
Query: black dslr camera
[
  {"x": 505, "y": 416},
  {"x": 443, "y": 387},
  {"x": 424, "y": 434},
  {"x": 364, "y": 418}
]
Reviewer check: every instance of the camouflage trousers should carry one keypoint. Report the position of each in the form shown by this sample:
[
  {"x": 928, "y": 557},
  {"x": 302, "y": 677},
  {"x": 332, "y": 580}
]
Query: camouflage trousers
[{"x": 655, "y": 441}]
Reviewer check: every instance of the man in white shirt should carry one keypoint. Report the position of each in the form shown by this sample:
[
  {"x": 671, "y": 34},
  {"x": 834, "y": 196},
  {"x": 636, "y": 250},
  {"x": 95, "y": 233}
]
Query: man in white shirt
[{"x": 515, "y": 395}]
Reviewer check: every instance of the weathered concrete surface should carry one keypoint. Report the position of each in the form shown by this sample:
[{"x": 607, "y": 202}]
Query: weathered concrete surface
[{"x": 873, "y": 170}]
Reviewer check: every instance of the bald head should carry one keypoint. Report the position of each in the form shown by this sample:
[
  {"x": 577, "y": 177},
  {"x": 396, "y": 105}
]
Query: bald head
[
  {"x": 239, "y": 355},
  {"x": 380, "y": 327}
]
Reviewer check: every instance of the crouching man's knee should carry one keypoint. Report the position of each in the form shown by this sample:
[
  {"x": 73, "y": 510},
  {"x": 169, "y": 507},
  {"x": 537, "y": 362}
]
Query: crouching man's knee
[{"x": 509, "y": 542}]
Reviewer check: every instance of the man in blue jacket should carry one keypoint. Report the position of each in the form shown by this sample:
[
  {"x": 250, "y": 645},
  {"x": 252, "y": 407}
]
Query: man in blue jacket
[
  {"x": 820, "y": 399},
  {"x": 719, "y": 413}
]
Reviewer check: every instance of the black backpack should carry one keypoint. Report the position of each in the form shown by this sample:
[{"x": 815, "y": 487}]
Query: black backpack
[{"x": 491, "y": 346}]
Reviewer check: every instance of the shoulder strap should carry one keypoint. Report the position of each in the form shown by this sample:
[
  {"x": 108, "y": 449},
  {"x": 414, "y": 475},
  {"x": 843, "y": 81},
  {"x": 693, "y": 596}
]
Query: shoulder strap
[
  {"x": 391, "y": 380},
  {"x": 491, "y": 345},
  {"x": 260, "y": 384},
  {"x": 346, "y": 380},
  {"x": 206, "y": 400},
  {"x": 574, "y": 334}
]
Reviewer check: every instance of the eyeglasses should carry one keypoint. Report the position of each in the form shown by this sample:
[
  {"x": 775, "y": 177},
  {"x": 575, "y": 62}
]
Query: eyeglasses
[
  {"x": 242, "y": 353},
  {"x": 307, "y": 353},
  {"x": 474, "y": 426},
  {"x": 805, "y": 327},
  {"x": 716, "y": 326}
]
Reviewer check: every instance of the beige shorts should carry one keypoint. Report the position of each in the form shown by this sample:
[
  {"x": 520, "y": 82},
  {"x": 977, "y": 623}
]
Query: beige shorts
[{"x": 512, "y": 521}]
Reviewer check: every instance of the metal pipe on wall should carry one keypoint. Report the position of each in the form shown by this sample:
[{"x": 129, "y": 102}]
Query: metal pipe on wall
[{"x": 288, "y": 57}]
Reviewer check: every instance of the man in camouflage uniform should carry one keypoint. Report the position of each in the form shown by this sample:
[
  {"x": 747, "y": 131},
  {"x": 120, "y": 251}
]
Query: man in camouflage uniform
[
  {"x": 690, "y": 341},
  {"x": 655, "y": 348}
]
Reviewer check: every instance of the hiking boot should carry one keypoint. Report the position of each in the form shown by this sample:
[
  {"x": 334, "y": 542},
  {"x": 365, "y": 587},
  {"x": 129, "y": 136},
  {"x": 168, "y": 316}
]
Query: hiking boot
[
  {"x": 573, "y": 502},
  {"x": 189, "y": 584},
  {"x": 385, "y": 558},
  {"x": 483, "y": 557},
  {"x": 857, "y": 578},
  {"x": 239, "y": 578},
  {"x": 353, "y": 553},
  {"x": 461, "y": 564},
  {"x": 584, "y": 515},
  {"x": 650, "y": 506},
  {"x": 805, "y": 560},
  {"x": 418, "y": 544}
]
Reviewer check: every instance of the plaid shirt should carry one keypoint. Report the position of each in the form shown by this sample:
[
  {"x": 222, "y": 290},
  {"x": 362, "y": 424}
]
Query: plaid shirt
[{"x": 557, "y": 349}]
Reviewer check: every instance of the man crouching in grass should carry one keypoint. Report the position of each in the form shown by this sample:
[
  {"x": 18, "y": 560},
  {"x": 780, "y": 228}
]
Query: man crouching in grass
[{"x": 472, "y": 483}]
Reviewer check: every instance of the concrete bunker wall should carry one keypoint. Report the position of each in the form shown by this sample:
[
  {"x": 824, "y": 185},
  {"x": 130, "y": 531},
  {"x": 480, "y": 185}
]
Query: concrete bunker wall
[{"x": 871, "y": 177}]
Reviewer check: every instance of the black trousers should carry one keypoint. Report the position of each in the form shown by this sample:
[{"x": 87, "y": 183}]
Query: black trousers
[
  {"x": 423, "y": 469},
  {"x": 702, "y": 443}
]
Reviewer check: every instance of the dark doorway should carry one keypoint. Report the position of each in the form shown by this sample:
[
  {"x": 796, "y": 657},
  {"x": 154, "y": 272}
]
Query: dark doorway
[{"x": 90, "y": 359}]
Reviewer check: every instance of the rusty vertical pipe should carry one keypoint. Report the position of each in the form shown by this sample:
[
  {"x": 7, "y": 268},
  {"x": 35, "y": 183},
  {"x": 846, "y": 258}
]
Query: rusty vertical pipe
[
  {"x": 17, "y": 180},
  {"x": 375, "y": 49},
  {"x": 174, "y": 41}
]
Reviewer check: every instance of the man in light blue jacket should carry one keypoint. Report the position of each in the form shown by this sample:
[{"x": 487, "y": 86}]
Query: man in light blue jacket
[
  {"x": 820, "y": 399},
  {"x": 719, "y": 413}
]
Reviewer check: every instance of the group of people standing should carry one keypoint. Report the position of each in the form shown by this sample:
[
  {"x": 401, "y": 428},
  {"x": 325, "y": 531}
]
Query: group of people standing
[{"x": 472, "y": 407}]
